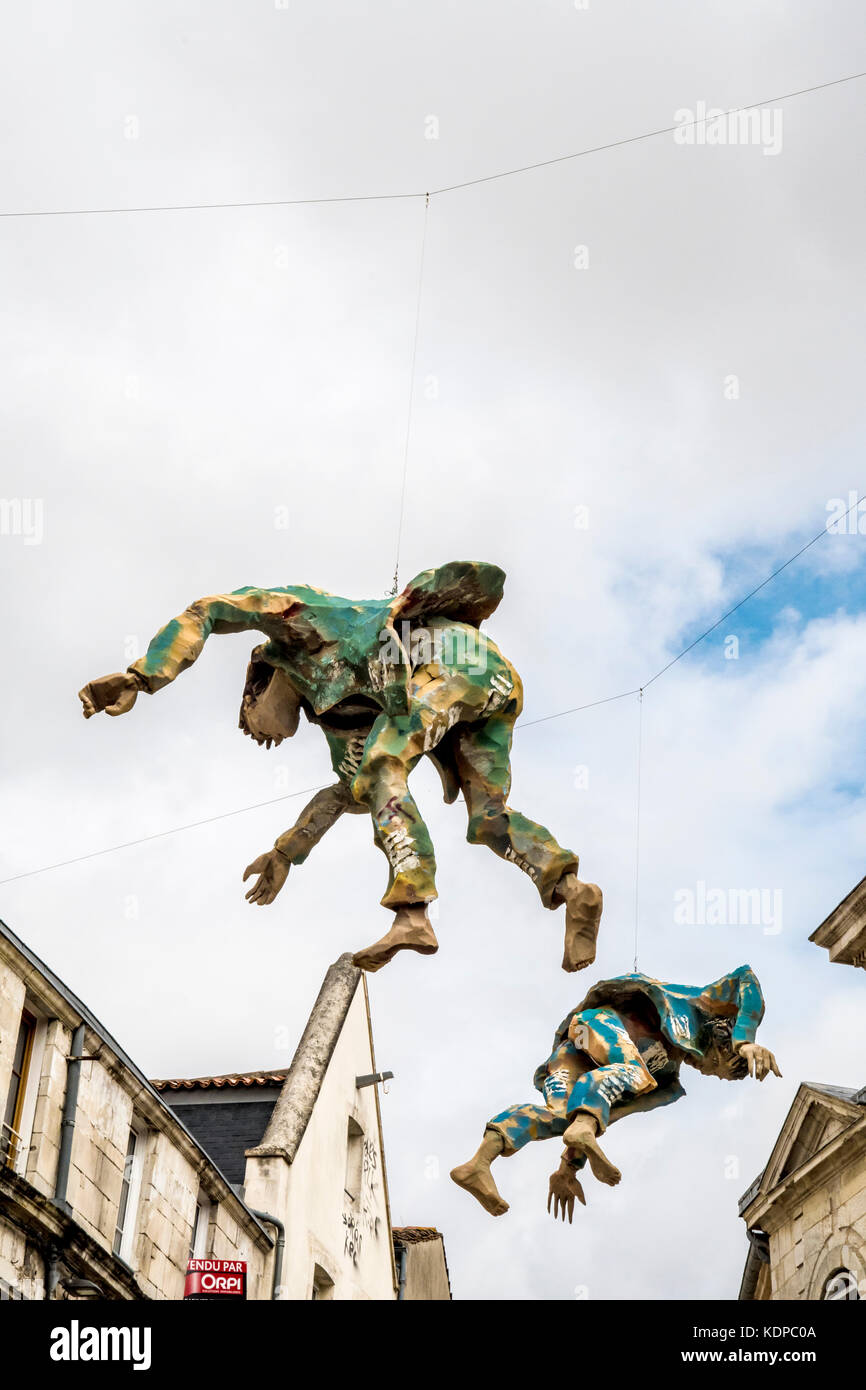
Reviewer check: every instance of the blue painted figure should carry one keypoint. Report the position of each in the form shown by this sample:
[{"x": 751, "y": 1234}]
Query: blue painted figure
[{"x": 620, "y": 1052}]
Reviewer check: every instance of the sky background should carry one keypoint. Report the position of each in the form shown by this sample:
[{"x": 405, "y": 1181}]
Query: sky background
[{"x": 210, "y": 399}]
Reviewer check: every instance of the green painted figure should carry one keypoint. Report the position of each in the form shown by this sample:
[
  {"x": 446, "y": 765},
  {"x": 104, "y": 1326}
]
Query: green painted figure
[
  {"x": 619, "y": 1052},
  {"x": 388, "y": 681}
]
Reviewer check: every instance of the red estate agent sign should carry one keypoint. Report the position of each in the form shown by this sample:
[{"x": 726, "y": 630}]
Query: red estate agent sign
[{"x": 216, "y": 1279}]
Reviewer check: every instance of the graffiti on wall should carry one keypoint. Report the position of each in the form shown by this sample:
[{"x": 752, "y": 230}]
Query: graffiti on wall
[{"x": 363, "y": 1220}]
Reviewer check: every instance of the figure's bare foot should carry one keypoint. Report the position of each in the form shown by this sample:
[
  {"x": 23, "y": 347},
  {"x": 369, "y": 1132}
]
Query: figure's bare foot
[
  {"x": 411, "y": 932},
  {"x": 476, "y": 1177},
  {"x": 602, "y": 1168},
  {"x": 580, "y": 1135},
  {"x": 583, "y": 904}
]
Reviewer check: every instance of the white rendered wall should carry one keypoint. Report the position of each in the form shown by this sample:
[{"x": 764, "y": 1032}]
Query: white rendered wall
[{"x": 350, "y": 1242}]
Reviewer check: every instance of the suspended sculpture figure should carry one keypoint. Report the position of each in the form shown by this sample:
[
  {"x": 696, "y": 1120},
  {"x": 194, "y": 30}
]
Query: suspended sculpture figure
[
  {"x": 618, "y": 1053},
  {"x": 388, "y": 681}
]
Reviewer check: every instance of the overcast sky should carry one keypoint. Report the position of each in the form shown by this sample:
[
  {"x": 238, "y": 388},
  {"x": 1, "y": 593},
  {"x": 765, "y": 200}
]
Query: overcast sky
[{"x": 207, "y": 399}]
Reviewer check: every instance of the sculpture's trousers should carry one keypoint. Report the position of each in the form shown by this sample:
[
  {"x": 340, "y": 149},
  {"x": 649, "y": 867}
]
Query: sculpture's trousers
[
  {"x": 574, "y": 1081},
  {"x": 478, "y": 709}
]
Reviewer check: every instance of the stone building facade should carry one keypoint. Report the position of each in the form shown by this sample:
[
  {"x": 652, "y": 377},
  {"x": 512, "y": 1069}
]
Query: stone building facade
[
  {"x": 111, "y": 1183},
  {"x": 110, "y": 1211},
  {"x": 806, "y": 1213}
]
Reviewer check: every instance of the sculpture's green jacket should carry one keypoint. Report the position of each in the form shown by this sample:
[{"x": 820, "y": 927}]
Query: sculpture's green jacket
[{"x": 330, "y": 647}]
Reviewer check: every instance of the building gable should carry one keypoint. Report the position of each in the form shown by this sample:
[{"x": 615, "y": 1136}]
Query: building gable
[{"x": 817, "y": 1115}]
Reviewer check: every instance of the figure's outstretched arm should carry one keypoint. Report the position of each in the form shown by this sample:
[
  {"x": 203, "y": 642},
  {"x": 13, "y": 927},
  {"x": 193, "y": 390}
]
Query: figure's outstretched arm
[
  {"x": 315, "y": 821},
  {"x": 177, "y": 645},
  {"x": 740, "y": 988},
  {"x": 293, "y": 846}
]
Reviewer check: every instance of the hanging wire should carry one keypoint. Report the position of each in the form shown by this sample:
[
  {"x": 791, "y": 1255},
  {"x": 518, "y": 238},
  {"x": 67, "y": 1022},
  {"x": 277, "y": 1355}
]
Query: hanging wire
[
  {"x": 647, "y": 135},
  {"x": 575, "y": 709},
  {"x": 159, "y": 835},
  {"x": 637, "y": 824},
  {"x": 560, "y": 714},
  {"x": 449, "y": 188},
  {"x": 406, "y": 442}
]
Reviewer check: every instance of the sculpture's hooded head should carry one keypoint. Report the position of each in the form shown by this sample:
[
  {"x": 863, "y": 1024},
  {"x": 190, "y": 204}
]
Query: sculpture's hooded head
[
  {"x": 271, "y": 707},
  {"x": 717, "y": 1056}
]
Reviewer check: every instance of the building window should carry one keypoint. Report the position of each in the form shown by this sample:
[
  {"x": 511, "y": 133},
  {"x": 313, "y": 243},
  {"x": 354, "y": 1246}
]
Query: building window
[
  {"x": 124, "y": 1235},
  {"x": 200, "y": 1227},
  {"x": 323, "y": 1284},
  {"x": 354, "y": 1160},
  {"x": 10, "y": 1139},
  {"x": 842, "y": 1284}
]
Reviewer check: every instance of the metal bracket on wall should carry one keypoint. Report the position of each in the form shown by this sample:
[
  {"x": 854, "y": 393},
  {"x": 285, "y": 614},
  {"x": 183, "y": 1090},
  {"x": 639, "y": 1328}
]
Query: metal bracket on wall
[{"x": 373, "y": 1078}]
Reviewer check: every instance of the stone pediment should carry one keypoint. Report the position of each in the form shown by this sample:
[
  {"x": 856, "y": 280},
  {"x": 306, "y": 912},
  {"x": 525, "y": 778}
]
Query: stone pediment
[{"x": 818, "y": 1115}]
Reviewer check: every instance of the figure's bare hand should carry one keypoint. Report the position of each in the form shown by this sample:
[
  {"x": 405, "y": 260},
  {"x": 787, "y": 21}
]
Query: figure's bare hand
[
  {"x": 563, "y": 1189},
  {"x": 273, "y": 870},
  {"x": 760, "y": 1060},
  {"x": 270, "y": 712},
  {"x": 115, "y": 694}
]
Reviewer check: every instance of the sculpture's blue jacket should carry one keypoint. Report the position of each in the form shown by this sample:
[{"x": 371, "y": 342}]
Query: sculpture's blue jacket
[{"x": 685, "y": 1015}]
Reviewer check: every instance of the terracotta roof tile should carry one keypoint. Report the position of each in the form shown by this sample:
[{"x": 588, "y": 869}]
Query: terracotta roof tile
[{"x": 232, "y": 1079}]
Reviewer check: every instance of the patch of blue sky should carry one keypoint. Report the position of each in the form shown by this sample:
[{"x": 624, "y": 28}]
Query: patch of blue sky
[{"x": 829, "y": 579}]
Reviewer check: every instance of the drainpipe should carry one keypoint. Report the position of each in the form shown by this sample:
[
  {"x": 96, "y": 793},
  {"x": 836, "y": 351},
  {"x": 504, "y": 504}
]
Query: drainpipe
[
  {"x": 401, "y": 1273},
  {"x": 67, "y": 1127},
  {"x": 280, "y": 1246},
  {"x": 52, "y": 1271}
]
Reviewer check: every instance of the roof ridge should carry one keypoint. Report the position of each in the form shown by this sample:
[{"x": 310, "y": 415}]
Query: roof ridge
[
  {"x": 837, "y": 1092},
  {"x": 261, "y": 1077}
]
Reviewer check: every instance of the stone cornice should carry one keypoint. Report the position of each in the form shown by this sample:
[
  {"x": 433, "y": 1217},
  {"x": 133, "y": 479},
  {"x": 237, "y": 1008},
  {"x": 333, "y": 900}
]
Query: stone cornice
[
  {"x": 52, "y": 1230},
  {"x": 843, "y": 933}
]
